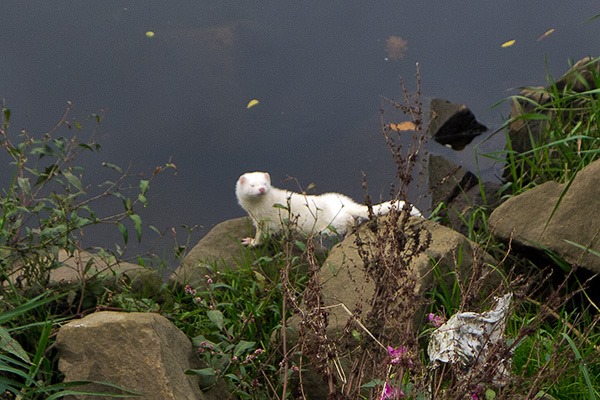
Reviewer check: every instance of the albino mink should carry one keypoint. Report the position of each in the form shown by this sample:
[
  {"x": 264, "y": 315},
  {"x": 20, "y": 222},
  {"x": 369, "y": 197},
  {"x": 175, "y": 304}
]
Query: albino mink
[{"x": 272, "y": 209}]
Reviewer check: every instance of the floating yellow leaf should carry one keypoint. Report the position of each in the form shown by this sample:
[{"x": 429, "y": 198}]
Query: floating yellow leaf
[
  {"x": 546, "y": 34},
  {"x": 508, "y": 43},
  {"x": 252, "y": 103},
  {"x": 150, "y": 34},
  {"x": 403, "y": 126}
]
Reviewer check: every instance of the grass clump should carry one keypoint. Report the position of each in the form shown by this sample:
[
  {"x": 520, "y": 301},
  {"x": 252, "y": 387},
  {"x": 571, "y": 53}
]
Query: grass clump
[{"x": 554, "y": 130}]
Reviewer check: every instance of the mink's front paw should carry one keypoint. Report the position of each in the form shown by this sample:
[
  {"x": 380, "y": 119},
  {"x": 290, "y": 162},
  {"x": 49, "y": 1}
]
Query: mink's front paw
[{"x": 248, "y": 241}]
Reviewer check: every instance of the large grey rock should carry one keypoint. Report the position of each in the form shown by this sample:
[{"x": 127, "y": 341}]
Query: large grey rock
[
  {"x": 552, "y": 215},
  {"x": 143, "y": 352},
  {"x": 221, "y": 247},
  {"x": 344, "y": 280},
  {"x": 581, "y": 76}
]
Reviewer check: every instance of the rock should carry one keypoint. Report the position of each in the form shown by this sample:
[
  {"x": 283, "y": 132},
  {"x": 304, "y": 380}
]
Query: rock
[
  {"x": 581, "y": 76},
  {"x": 343, "y": 276},
  {"x": 447, "y": 180},
  {"x": 520, "y": 129},
  {"x": 461, "y": 193},
  {"x": 460, "y": 212},
  {"x": 453, "y": 124},
  {"x": 552, "y": 215},
  {"x": 83, "y": 266},
  {"x": 90, "y": 275},
  {"x": 220, "y": 246},
  {"x": 143, "y": 352}
]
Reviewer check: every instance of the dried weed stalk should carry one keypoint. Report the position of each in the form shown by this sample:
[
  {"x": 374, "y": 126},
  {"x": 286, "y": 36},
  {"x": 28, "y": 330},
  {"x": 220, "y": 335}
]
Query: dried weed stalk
[{"x": 387, "y": 249}]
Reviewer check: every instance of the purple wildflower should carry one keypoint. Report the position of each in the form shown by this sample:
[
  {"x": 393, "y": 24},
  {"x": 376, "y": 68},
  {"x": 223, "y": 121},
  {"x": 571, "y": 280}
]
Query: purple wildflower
[
  {"x": 389, "y": 392},
  {"x": 189, "y": 290},
  {"x": 396, "y": 354},
  {"x": 436, "y": 320}
]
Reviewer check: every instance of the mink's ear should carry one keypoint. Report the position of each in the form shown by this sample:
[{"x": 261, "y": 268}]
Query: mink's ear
[
  {"x": 242, "y": 180},
  {"x": 268, "y": 177}
]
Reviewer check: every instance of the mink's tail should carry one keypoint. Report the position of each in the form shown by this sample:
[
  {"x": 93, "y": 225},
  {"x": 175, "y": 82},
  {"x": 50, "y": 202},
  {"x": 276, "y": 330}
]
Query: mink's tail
[{"x": 384, "y": 208}]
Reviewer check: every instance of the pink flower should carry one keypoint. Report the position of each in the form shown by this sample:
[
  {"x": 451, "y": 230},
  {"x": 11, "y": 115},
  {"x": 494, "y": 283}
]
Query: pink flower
[
  {"x": 189, "y": 290},
  {"x": 389, "y": 392},
  {"x": 436, "y": 320},
  {"x": 396, "y": 354},
  {"x": 479, "y": 391}
]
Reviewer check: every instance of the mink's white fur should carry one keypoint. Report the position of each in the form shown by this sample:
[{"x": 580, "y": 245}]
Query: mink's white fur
[{"x": 272, "y": 209}]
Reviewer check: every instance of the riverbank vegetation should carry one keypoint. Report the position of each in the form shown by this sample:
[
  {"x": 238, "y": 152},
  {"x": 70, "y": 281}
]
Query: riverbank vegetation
[{"x": 239, "y": 317}]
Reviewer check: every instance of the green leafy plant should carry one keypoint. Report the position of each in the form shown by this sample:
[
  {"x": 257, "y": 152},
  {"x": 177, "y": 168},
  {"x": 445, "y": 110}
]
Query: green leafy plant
[
  {"x": 47, "y": 205},
  {"x": 231, "y": 317},
  {"x": 45, "y": 208}
]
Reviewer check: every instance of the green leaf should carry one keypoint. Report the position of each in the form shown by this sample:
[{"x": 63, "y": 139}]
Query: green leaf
[
  {"x": 216, "y": 317},
  {"x": 124, "y": 232},
  {"x": 73, "y": 180},
  {"x": 25, "y": 185},
  {"x": 202, "y": 341},
  {"x": 26, "y": 307},
  {"x": 10, "y": 345},
  {"x": 127, "y": 204},
  {"x": 40, "y": 350},
  {"x": 142, "y": 199},
  {"x": 48, "y": 174},
  {"x": 373, "y": 383},
  {"x": 300, "y": 245},
  {"x": 202, "y": 372},
  {"x": 137, "y": 224},
  {"x": 63, "y": 390},
  {"x": 90, "y": 146},
  {"x": 112, "y": 166},
  {"x": 144, "y": 185},
  {"x": 6, "y": 118},
  {"x": 243, "y": 347},
  {"x": 582, "y": 367},
  {"x": 277, "y": 205}
]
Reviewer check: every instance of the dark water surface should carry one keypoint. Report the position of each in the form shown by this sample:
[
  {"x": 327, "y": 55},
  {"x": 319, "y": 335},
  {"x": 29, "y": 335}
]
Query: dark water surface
[{"x": 319, "y": 70}]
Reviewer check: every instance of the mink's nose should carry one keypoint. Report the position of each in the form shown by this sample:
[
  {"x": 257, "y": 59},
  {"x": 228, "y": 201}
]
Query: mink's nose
[{"x": 261, "y": 190}]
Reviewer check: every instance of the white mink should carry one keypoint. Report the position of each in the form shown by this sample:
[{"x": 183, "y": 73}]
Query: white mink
[{"x": 272, "y": 209}]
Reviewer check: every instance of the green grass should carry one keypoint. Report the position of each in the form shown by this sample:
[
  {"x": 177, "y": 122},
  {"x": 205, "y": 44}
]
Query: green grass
[{"x": 568, "y": 138}]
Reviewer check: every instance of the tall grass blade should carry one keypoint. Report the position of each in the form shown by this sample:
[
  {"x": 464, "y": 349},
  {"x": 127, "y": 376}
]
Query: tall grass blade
[{"x": 592, "y": 392}]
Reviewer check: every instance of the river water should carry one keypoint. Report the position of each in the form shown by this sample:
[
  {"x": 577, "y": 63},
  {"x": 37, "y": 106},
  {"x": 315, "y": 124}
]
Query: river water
[{"x": 319, "y": 70}]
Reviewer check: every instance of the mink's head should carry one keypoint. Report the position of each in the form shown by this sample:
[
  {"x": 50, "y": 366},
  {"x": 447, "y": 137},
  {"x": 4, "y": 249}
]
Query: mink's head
[{"x": 253, "y": 184}]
